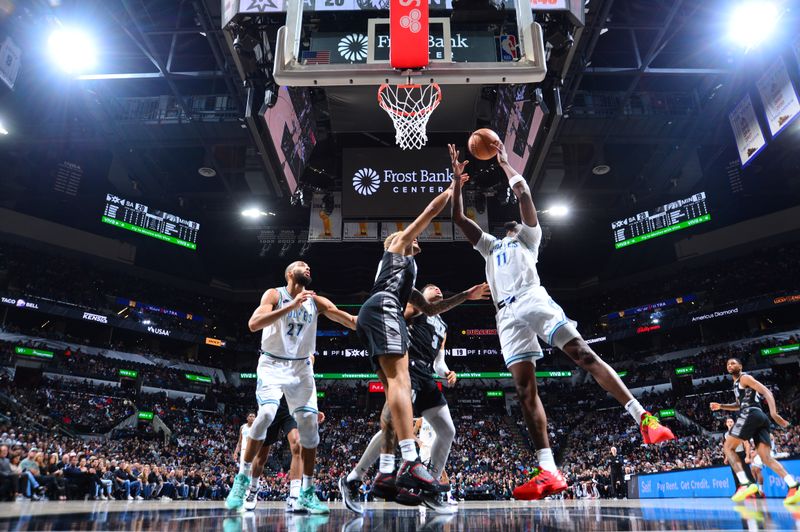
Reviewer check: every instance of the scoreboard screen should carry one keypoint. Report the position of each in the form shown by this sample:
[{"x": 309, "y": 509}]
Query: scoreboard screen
[
  {"x": 663, "y": 220},
  {"x": 147, "y": 221}
]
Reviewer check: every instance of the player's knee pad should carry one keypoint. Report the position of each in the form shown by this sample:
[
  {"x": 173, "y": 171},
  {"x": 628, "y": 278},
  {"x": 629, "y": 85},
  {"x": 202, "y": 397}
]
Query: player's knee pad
[
  {"x": 264, "y": 417},
  {"x": 307, "y": 428}
]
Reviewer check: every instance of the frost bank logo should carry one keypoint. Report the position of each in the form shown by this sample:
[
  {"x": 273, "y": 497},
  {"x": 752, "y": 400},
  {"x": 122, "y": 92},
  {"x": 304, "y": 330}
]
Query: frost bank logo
[
  {"x": 353, "y": 47},
  {"x": 366, "y": 181}
]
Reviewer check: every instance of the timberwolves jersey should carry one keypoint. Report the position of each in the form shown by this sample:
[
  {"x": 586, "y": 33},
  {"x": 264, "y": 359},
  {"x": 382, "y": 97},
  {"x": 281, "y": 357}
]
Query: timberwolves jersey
[
  {"x": 294, "y": 335},
  {"x": 426, "y": 433},
  {"x": 746, "y": 397},
  {"x": 426, "y": 334},
  {"x": 245, "y": 431},
  {"x": 396, "y": 275},
  {"x": 511, "y": 262}
]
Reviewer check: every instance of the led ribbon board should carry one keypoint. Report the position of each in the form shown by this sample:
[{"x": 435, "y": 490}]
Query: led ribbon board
[
  {"x": 465, "y": 375},
  {"x": 29, "y": 352},
  {"x": 203, "y": 379},
  {"x": 665, "y": 219},
  {"x": 144, "y": 220},
  {"x": 779, "y": 350}
]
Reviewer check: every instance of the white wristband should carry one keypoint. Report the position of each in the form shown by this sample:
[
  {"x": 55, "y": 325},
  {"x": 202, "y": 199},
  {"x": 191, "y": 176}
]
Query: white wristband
[{"x": 516, "y": 179}]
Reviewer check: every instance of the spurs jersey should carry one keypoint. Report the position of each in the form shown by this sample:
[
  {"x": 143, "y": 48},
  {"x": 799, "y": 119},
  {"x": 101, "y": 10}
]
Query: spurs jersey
[
  {"x": 294, "y": 335},
  {"x": 426, "y": 335},
  {"x": 511, "y": 262},
  {"x": 396, "y": 275},
  {"x": 746, "y": 397}
]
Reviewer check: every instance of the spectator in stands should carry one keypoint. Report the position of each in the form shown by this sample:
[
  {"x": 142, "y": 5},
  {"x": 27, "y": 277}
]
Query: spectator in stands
[{"x": 8, "y": 479}]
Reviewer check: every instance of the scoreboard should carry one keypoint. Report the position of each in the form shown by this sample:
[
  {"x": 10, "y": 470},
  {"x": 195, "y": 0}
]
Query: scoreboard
[
  {"x": 663, "y": 220},
  {"x": 140, "y": 218}
]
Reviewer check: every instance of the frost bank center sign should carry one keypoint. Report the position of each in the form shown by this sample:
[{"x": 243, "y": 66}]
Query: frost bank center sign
[{"x": 392, "y": 183}]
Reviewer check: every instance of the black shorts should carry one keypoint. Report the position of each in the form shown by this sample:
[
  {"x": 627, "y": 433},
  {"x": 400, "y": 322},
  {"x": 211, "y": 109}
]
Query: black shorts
[
  {"x": 425, "y": 394},
  {"x": 752, "y": 423},
  {"x": 381, "y": 326},
  {"x": 283, "y": 423}
]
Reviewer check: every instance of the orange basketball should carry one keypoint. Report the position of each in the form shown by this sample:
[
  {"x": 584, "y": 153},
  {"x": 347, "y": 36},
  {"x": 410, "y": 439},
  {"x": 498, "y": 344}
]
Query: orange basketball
[{"x": 480, "y": 144}]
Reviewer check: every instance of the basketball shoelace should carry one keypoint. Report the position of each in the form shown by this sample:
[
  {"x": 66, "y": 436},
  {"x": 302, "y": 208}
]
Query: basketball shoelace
[{"x": 650, "y": 421}]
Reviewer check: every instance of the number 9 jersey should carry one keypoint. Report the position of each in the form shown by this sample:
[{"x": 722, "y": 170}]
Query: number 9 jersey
[{"x": 294, "y": 335}]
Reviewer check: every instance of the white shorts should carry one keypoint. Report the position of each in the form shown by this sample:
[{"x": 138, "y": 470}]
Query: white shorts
[
  {"x": 532, "y": 314},
  {"x": 292, "y": 378}
]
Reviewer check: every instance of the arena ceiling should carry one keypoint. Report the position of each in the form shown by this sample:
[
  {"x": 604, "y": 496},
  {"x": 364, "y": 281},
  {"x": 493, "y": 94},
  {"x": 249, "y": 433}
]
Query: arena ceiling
[{"x": 646, "y": 88}]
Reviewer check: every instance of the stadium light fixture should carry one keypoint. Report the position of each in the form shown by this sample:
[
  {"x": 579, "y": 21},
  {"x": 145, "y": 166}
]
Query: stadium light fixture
[
  {"x": 557, "y": 211},
  {"x": 3, "y": 130},
  {"x": 752, "y": 22},
  {"x": 255, "y": 212},
  {"x": 72, "y": 50}
]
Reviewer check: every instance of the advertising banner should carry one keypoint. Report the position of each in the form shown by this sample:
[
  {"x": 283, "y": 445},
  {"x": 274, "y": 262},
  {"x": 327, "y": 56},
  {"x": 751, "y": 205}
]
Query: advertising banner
[
  {"x": 749, "y": 139},
  {"x": 703, "y": 482},
  {"x": 325, "y": 227},
  {"x": 386, "y": 182},
  {"x": 778, "y": 96},
  {"x": 354, "y": 231}
]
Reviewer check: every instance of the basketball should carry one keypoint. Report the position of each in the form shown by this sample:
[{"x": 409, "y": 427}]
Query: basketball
[{"x": 480, "y": 144}]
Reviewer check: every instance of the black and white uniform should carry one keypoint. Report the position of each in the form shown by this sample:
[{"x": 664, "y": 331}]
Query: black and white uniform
[
  {"x": 283, "y": 423},
  {"x": 752, "y": 422},
  {"x": 381, "y": 326},
  {"x": 427, "y": 334}
]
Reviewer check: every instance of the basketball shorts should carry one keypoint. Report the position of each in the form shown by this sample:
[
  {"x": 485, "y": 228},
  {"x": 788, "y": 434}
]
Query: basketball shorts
[
  {"x": 282, "y": 424},
  {"x": 425, "y": 394},
  {"x": 292, "y": 379},
  {"x": 381, "y": 326},
  {"x": 532, "y": 314},
  {"x": 752, "y": 423}
]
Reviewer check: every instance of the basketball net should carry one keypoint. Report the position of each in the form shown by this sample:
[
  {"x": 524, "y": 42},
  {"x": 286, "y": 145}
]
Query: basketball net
[{"x": 410, "y": 107}]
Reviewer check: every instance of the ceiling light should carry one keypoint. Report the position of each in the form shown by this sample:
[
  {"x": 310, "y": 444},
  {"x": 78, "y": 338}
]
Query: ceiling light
[
  {"x": 601, "y": 169},
  {"x": 751, "y": 23},
  {"x": 3, "y": 130},
  {"x": 558, "y": 211},
  {"x": 255, "y": 212},
  {"x": 206, "y": 171},
  {"x": 72, "y": 50}
]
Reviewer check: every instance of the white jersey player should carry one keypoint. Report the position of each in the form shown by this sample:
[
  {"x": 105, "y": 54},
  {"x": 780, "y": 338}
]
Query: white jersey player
[
  {"x": 525, "y": 311},
  {"x": 426, "y": 435},
  {"x": 287, "y": 317},
  {"x": 244, "y": 431}
]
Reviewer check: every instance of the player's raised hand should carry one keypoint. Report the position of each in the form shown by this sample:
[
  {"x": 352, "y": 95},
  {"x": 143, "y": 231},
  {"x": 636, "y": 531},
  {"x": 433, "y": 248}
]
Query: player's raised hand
[
  {"x": 458, "y": 167},
  {"x": 479, "y": 291},
  {"x": 301, "y": 298},
  {"x": 502, "y": 156},
  {"x": 451, "y": 378},
  {"x": 715, "y": 407}
]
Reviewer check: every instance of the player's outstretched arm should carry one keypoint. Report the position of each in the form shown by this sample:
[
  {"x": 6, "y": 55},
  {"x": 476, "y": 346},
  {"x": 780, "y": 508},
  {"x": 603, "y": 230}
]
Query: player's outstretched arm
[
  {"x": 520, "y": 187},
  {"x": 751, "y": 382},
  {"x": 479, "y": 291},
  {"x": 731, "y": 407},
  {"x": 264, "y": 315},
  {"x": 333, "y": 313},
  {"x": 470, "y": 229}
]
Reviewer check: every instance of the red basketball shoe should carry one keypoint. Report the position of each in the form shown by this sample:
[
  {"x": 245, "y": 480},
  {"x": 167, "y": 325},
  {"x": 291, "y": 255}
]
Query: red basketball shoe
[
  {"x": 653, "y": 431},
  {"x": 542, "y": 484}
]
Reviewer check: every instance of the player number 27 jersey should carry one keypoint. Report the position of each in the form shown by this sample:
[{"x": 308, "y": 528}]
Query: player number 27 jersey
[{"x": 294, "y": 335}]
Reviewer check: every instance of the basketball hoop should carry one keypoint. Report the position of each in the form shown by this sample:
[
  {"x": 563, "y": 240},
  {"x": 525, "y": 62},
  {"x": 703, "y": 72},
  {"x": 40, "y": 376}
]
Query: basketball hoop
[{"x": 410, "y": 107}]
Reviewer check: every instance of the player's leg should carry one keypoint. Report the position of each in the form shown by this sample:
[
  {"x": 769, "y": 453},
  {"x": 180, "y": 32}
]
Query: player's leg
[
  {"x": 746, "y": 488},
  {"x": 295, "y": 469},
  {"x": 442, "y": 423},
  {"x": 257, "y": 469},
  {"x": 302, "y": 401},
  {"x": 412, "y": 474},
  {"x": 764, "y": 450}
]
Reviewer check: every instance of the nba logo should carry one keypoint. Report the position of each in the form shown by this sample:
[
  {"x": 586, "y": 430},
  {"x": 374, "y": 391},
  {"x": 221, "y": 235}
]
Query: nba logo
[{"x": 508, "y": 48}]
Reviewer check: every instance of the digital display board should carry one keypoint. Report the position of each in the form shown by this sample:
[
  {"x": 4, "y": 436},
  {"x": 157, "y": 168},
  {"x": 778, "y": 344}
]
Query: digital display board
[
  {"x": 666, "y": 412},
  {"x": 141, "y": 219},
  {"x": 685, "y": 370},
  {"x": 661, "y": 221},
  {"x": 781, "y": 349},
  {"x": 145, "y": 416},
  {"x": 248, "y": 376},
  {"x": 495, "y": 393},
  {"x": 204, "y": 379},
  {"x": 517, "y": 120},
  {"x": 129, "y": 373},
  {"x": 464, "y": 375},
  {"x": 30, "y": 352}
]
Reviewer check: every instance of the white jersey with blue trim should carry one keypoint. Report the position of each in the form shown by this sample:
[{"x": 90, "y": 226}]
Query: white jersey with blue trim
[
  {"x": 511, "y": 262},
  {"x": 294, "y": 335},
  {"x": 426, "y": 433}
]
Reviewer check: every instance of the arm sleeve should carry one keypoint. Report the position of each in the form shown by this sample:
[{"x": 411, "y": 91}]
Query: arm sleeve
[
  {"x": 530, "y": 236},
  {"x": 439, "y": 365},
  {"x": 484, "y": 245}
]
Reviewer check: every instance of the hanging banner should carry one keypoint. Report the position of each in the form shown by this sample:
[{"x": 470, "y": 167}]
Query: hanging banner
[
  {"x": 778, "y": 96},
  {"x": 10, "y": 55},
  {"x": 354, "y": 231},
  {"x": 749, "y": 139},
  {"x": 325, "y": 227},
  {"x": 437, "y": 231}
]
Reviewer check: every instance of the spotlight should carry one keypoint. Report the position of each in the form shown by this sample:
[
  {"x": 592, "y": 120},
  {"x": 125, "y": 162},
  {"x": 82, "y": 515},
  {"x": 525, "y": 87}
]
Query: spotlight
[
  {"x": 752, "y": 22},
  {"x": 3, "y": 130},
  {"x": 72, "y": 50},
  {"x": 558, "y": 211},
  {"x": 255, "y": 212}
]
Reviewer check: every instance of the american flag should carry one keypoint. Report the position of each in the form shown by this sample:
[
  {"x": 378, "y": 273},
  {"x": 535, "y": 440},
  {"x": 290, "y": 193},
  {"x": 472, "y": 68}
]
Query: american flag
[{"x": 322, "y": 57}]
